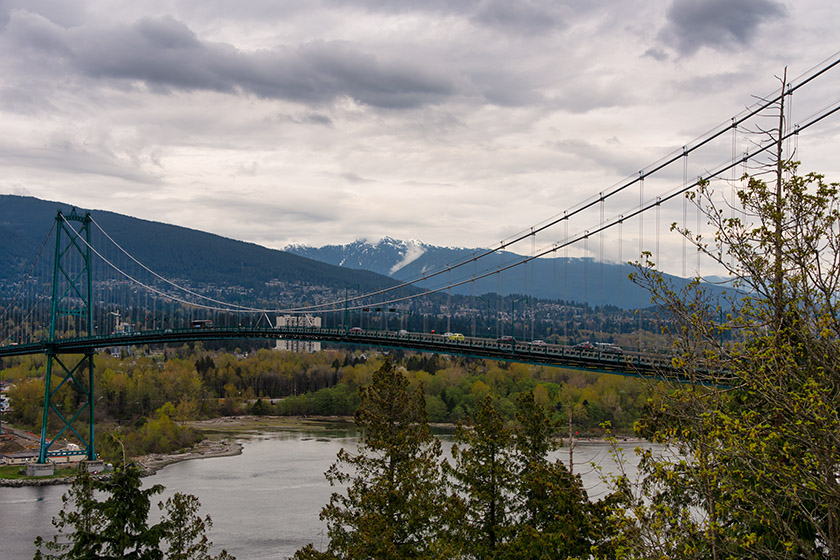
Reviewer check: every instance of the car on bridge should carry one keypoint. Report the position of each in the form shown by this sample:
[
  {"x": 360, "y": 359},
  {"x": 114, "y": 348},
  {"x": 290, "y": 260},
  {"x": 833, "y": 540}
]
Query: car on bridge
[
  {"x": 356, "y": 330},
  {"x": 506, "y": 340},
  {"x": 453, "y": 337},
  {"x": 609, "y": 348},
  {"x": 585, "y": 345}
]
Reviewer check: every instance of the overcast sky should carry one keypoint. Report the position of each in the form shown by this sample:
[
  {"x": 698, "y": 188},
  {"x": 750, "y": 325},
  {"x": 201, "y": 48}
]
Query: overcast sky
[{"x": 322, "y": 121}]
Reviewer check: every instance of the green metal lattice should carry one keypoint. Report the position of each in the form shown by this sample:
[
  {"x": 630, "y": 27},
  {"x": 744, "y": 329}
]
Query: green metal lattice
[{"x": 71, "y": 314}]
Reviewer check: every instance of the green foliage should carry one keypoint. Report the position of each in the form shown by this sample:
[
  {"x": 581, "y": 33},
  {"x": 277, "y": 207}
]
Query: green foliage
[
  {"x": 107, "y": 518},
  {"x": 483, "y": 479},
  {"x": 392, "y": 508},
  {"x": 27, "y": 400},
  {"x": 502, "y": 499},
  {"x": 752, "y": 466},
  {"x": 185, "y": 532},
  {"x": 552, "y": 509},
  {"x": 116, "y": 527}
]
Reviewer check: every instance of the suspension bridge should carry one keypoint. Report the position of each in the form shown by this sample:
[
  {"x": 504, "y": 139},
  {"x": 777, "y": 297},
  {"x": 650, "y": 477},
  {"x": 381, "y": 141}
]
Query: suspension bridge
[{"x": 85, "y": 292}]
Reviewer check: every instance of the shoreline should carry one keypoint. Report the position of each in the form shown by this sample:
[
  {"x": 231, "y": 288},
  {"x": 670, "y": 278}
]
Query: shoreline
[
  {"x": 152, "y": 463},
  {"x": 222, "y": 431},
  {"x": 149, "y": 464}
]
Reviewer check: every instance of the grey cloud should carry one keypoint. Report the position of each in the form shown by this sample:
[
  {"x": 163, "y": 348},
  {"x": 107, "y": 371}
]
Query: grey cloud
[
  {"x": 309, "y": 118},
  {"x": 508, "y": 90},
  {"x": 254, "y": 217},
  {"x": 522, "y": 16},
  {"x": 65, "y": 157},
  {"x": 355, "y": 178},
  {"x": 317, "y": 118},
  {"x": 590, "y": 94},
  {"x": 165, "y": 54},
  {"x": 656, "y": 54},
  {"x": 718, "y": 24},
  {"x": 65, "y": 13},
  {"x": 167, "y": 33},
  {"x": 33, "y": 33},
  {"x": 722, "y": 81},
  {"x": 617, "y": 158}
]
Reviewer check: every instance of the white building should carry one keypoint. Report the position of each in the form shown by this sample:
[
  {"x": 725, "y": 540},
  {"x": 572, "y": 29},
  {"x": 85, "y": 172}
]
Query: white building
[{"x": 306, "y": 321}]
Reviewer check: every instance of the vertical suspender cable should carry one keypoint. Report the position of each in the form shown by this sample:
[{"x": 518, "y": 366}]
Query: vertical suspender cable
[
  {"x": 733, "y": 191},
  {"x": 658, "y": 263},
  {"x": 788, "y": 120},
  {"x": 621, "y": 278},
  {"x": 601, "y": 267},
  {"x": 531, "y": 304},
  {"x": 586, "y": 278},
  {"x": 554, "y": 289},
  {"x": 474, "y": 311},
  {"x": 685, "y": 211},
  {"x": 699, "y": 212},
  {"x": 641, "y": 244},
  {"x": 566, "y": 279}
]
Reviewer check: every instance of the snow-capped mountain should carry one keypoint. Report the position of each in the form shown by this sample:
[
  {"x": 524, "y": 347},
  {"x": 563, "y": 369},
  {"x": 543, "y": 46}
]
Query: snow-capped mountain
[
  {"x": 581, "y": 280},
  {"x": 387, "y": 256}
]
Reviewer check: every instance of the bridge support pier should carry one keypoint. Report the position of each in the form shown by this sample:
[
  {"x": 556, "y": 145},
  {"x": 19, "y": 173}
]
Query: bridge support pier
[{"x": 40, "y": 469}]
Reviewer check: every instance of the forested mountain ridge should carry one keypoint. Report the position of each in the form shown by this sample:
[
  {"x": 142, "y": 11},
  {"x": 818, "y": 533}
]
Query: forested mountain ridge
[{"x": 172, "y": 251}]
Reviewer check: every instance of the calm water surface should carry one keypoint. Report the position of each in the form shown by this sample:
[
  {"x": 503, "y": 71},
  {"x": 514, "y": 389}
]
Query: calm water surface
[{"x": 264, "y": 503}]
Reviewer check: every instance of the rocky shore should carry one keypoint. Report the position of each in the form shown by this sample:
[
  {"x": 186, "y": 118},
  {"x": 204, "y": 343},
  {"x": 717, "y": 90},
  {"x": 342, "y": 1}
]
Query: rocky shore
[
  {"x": 150, "y": 464},
  {"x": 208, "y": 448}
]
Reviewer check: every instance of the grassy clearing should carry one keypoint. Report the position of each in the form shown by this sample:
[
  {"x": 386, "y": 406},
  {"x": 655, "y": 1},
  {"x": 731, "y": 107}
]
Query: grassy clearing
[{"x": 15, "y": 472}]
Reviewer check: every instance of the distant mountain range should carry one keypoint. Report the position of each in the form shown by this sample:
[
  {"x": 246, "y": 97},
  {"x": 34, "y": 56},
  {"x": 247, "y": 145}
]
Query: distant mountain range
[
  {"x": 265, "y": 274},
  {"x": 578, "y": 280}
]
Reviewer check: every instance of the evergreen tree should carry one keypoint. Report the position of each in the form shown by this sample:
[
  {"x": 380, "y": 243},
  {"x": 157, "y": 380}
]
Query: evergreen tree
[
  {"x": 77, "y": 523},
  {"x": 117, "y": 527},
  {"x": 185, "y": 532},
  {"x": 484, "y": 475},
  {"x": 552, "y": 508},
  {"x": 393, "y": 505}
]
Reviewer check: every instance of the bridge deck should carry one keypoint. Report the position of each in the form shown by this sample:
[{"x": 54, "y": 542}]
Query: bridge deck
[{"x": 595, "y": 360}]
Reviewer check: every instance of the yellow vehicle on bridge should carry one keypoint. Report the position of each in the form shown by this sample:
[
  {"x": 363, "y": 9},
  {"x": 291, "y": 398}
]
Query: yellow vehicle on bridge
[{"x": 454, "y": 337}]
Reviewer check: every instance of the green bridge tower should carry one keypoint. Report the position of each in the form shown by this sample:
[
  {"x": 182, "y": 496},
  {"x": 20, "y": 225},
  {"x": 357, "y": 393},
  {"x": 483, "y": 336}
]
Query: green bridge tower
[{"x": 68, "y": 387}]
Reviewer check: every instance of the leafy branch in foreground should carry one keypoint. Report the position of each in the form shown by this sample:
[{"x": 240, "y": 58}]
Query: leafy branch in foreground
[{"x": 752, "y": 445}]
